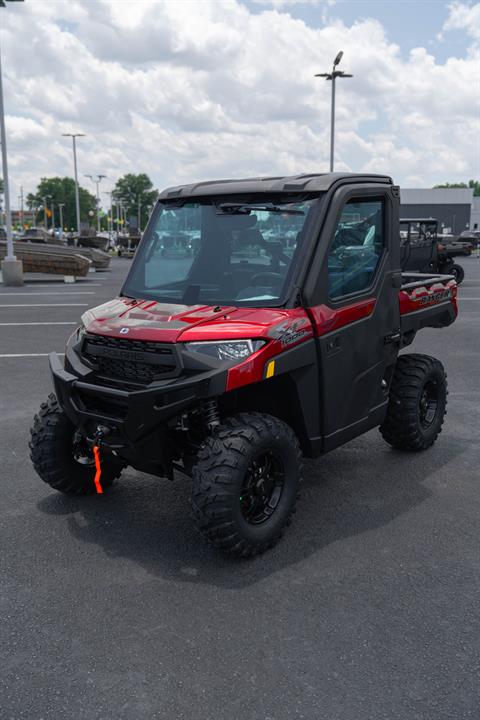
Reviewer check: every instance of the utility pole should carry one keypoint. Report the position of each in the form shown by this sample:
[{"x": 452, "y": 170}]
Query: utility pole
[
  {"x": 21, "y": 206},
  {"x": 53, "y": 218},
  {"x": 77, "y": 197},
  {"x": 12, "y": 269},
  {"x": 333, "y": 76},
  {"x": 60, "y": 207},
  {"x": 110, "y": 222},
  {"x": 97, "y": 179}
]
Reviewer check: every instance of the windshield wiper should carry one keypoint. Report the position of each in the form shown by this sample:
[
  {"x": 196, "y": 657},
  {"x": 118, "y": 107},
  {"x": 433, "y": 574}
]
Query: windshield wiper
[{"x": 246, "y": 209}]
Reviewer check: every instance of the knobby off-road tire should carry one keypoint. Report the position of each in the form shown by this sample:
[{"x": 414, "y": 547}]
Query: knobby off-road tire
[
  {"x": 245, "y": 483},
  {"x": 417, "y": 406},
  {"x": 459, "y": 273},
  {"x": 53, "y": 454}
]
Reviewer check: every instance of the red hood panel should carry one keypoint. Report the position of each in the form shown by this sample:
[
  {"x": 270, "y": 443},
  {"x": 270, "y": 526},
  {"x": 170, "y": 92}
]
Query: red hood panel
[{"x": 161, "y": 322}]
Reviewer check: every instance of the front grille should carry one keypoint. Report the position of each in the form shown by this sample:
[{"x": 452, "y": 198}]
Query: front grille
[{"x": 138, "y": 361}]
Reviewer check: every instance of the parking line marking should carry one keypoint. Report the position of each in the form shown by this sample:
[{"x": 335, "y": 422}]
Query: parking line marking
[
  {"x": 58, "y": 285},
  {"x": 56, "y": 292},
  {"x": 46, "y": 305},
  {"x": 70, "y": 322},
  {"x": 22, "y": 355}
]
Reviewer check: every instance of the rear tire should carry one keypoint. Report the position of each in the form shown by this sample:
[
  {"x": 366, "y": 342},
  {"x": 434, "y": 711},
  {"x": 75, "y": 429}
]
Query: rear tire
[
  {"x": 459, "y": 273},
  {"x": 53, "y": 453},
  {"x": 245, "y": 483},
  {"x": 417, "y": 406}
]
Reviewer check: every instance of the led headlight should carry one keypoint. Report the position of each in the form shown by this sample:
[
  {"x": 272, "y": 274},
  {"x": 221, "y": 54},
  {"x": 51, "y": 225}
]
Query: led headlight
[{"x": 226, "y": 349}]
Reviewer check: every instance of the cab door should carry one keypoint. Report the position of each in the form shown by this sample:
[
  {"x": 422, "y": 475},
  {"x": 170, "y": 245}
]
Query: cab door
[{"x": 356, "y": 316}]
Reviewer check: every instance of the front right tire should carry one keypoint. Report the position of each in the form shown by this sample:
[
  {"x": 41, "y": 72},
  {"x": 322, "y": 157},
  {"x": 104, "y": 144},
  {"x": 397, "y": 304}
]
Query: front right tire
[{"x": 61, "y": 459}]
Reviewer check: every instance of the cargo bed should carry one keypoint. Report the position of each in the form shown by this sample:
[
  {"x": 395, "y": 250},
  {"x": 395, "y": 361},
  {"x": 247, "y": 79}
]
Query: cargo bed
[{"x": 426, "y": 300}]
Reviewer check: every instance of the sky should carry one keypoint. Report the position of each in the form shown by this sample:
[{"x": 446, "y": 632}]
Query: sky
[{"x": 196, "y": 90}]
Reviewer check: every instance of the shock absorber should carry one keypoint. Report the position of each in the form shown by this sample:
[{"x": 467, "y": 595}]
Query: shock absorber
[{"x": 211, "y": 415}]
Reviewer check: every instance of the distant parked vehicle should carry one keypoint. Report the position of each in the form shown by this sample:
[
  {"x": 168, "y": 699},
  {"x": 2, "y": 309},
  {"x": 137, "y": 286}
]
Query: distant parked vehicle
[
  {"x": 39, "y": 235},
  {"x": 127, "y": 243},
  {"x": 453, "y": 248},
  {"x": 421, "y": 250},
  {"x": 472, "y": 236}
]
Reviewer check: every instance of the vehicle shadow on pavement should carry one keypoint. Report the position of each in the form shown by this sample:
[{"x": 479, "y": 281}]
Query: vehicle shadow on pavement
[{"x": 360, "y": 488}]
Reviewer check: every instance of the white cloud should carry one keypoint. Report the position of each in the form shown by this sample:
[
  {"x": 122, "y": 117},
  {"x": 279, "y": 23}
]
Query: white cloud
[
  {"x": 187, "y": 91},
  {"x": 463, "y": 16},
  {"x": 284, "y": 3}
]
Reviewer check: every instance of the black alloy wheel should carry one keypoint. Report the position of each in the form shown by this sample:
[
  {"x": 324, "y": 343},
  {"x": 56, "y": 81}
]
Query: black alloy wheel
[
  {"x": 245, "y": 483},
  {"x": 428, "y": 404},
  {"x": 262, "y": 487},
  {"x": 417, "y": 403}
]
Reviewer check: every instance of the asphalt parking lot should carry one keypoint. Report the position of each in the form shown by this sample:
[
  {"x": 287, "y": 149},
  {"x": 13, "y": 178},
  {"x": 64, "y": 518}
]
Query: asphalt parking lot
[{"x": 112, "y": 607}]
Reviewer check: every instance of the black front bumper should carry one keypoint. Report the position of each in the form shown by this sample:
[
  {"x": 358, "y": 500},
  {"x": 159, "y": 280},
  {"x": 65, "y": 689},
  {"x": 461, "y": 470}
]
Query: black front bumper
[{"x": 130, "y": 415}]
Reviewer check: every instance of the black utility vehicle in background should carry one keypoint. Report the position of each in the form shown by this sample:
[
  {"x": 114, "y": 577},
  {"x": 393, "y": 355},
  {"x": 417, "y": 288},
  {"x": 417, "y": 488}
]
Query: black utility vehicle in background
[
  {"x": 276, "y": 337},
  {"x": 421, "y": 250}
]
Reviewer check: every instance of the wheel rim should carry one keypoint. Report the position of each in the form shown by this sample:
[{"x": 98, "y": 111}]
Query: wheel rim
[
  {"x": 262, "y": 487},
  {"x": 428, "y": 404},
  {"x": 81, "y": 452}
]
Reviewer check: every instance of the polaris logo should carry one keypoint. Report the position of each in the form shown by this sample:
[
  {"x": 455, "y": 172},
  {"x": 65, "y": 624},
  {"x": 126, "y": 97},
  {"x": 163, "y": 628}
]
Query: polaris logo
[
  {"x": 435, "y": 297},
  {"x": 124, "y": 331}
]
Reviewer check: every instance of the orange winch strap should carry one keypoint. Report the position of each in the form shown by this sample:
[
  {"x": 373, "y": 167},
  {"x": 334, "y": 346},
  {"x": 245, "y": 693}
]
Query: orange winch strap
[{"x": 96, "y": 453}]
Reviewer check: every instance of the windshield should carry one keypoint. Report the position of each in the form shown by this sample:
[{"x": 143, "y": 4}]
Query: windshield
[{"x": 219, "y": 253}]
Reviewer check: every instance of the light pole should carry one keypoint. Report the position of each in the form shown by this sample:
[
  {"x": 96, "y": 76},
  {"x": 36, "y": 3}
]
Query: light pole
[
  {"x": 53, "y": 218},
  {"x": 110, "y": 223},
  {"x": 77, "y": 197},
  {"x": 21, "y": 206},
  {"x": 97, "y": 179},
  {"x": 12, "y": 269},
  {"x": 60, "y": 207},
  {"x": 333, "y": 76}
]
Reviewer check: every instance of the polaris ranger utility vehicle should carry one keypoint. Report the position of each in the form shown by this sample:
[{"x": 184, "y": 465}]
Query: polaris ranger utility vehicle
[
  {"x": 421, "y": 250},
  {"x": 277, "y": 337}
]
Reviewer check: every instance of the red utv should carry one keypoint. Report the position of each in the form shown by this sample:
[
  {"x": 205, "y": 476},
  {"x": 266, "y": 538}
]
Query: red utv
[{"x": 278, "y": 337}]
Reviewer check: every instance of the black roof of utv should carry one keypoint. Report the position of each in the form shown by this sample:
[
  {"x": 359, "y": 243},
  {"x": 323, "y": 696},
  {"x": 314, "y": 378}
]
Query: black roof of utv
[{"x": 319, "y": 182}]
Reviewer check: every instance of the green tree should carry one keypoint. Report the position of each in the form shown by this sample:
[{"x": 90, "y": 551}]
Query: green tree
[
  {"x": 135, "y": 191},
  {"x": 474, "y": 184},
  {"x": 61, "y": 190}
]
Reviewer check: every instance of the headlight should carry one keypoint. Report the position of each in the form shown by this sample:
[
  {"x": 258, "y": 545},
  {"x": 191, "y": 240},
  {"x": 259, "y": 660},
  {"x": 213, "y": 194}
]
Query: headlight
[{"x": 226, "y": 349}]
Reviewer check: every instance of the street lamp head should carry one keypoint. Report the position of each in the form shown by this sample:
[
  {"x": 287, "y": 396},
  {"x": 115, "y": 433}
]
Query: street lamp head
[
  {"x": 338, "y": 58},
  {"x": 325, "y": 75}
]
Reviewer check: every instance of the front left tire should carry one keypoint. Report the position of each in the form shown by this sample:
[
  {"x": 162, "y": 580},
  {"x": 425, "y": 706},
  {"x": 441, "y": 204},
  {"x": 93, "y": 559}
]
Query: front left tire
[{"x": 246, "y": 482}]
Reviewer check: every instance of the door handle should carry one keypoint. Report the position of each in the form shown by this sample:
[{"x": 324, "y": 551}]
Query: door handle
[
  {"x": 393, "y": 337},
  {"x": 334, "y": 345}
]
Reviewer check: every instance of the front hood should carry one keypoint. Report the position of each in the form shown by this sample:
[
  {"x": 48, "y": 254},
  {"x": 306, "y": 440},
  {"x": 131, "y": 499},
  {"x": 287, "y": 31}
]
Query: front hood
[{"x": 162, "y": 322}]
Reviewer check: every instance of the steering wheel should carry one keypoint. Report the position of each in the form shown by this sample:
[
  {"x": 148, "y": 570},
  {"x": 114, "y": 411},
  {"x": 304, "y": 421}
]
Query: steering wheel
[{"x": 268, "y": 275}]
